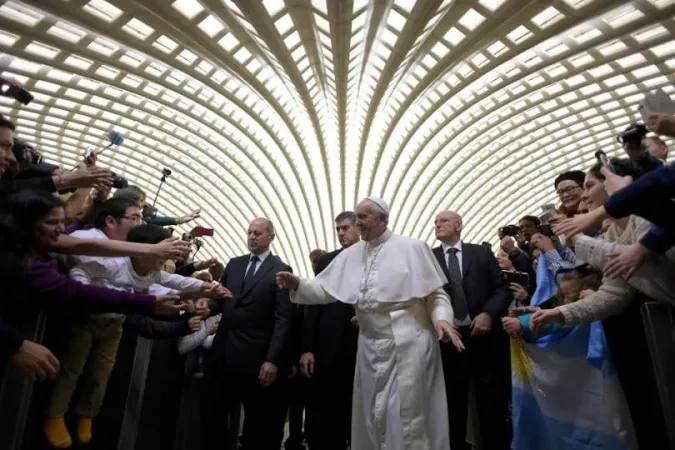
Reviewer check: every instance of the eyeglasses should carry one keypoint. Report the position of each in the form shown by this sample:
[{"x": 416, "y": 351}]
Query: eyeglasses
[
  {"x": 567, "y": 190},
  {"x": 135, "y": 218}
]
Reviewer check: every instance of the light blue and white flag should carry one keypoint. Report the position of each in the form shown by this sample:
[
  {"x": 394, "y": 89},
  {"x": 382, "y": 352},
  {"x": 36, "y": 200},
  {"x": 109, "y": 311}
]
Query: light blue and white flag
[{"x": 566, "y": 395}]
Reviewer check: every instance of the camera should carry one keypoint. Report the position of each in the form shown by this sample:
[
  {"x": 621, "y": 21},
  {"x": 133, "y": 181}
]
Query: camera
[
  {"x": 510, "y": 230},
  {"x": 17, "y": 93},
  {"x": 546, "y": 230},
  {"x": 634, "y": 134},
  {"x": 119, "y": 182},
  {"x": 166, "y": 172}
]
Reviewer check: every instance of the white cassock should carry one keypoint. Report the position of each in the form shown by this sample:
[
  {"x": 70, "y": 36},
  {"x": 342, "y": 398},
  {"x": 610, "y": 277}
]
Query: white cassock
[{"x": 395, "y": 283}]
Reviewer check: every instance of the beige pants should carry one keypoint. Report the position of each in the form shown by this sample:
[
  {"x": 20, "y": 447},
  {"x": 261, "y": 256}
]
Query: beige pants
[{"x": 87, "y": 360}]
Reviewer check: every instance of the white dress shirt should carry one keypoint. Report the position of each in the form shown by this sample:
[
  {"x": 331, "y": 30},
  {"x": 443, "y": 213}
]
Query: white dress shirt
[{"x": 262, "y": 257}]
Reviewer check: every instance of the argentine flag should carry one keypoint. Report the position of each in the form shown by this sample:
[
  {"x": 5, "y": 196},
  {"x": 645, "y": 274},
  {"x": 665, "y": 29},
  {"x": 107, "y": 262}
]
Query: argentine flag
[{"x": 566, "y": 395}]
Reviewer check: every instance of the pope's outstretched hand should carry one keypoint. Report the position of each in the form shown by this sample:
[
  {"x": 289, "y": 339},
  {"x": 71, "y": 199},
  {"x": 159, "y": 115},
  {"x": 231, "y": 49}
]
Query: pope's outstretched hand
[
  {"x": 286, "y": 280},
  {"x": 448, "y": 333}
]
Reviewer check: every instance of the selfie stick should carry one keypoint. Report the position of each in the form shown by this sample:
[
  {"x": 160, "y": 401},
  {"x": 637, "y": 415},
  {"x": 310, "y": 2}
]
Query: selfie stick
[{"x": 165, "y": 174}]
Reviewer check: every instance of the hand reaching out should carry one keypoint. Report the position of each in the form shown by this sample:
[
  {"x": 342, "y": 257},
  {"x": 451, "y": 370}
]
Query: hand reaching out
[
  {"x": 624, "y": 264},
  {"x": 512, "y": 326},
  {"x": 172, "y": 248},
  {"x": 163, "y": 304},
  {"x": 545, "y": 317},
  {"x": 287, "y": 280}
]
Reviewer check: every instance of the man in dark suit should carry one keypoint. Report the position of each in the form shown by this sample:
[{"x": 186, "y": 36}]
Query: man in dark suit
[
  {"x": 250, "y": 360},
  {"x": 479, "y": 300},
  {"x": 329, "y": 357}
]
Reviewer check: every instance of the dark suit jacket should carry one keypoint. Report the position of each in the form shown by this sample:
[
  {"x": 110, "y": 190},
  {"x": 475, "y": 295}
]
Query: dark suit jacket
[
  {"x": 482, "y": 281},
  {"x": 328, "y": 331},
  {"x": 256, "y": 324}
]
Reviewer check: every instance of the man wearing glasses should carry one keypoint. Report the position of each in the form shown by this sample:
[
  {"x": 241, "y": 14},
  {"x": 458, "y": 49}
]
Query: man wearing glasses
[{"x": 94, "y": 336}]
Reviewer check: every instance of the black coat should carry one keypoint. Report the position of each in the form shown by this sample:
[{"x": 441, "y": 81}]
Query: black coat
[
  {"x": 482, "y": 281},
  {"x": 256, "y": 324},
  {"x": 328, "y": 332}
]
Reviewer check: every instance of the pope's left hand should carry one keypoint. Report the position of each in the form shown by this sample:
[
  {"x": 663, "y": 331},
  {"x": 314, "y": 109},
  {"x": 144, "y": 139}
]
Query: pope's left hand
[
  {"x": 481, "y": 324},
  {"x": 448, "y": 333}
]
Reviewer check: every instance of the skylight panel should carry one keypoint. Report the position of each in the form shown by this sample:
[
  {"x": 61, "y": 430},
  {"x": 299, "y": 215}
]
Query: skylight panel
[
  {"x": 242, "y": 55},
  {"x": 497, "y": 48},
  {"x": 108, "y": 72},
  {"x": 103, "y": 10},
  {"x": 103, "y": 46},
  {"x": 321, "y": 5},
  {"x": 138, "y": 29},
  {"x": 165, "y": 44},
  {"x": 67, "y": 32},
  {"x": 132, "y": 59},
  {"x": 188, "y": 8},
  {"x": 454, "y": 36},
  {"x": 520, "y": 34},
  {"x": 547, "y": 17},
  {"x": 228, "y": 42},
  {"x": 663, "y": 49},
  {"x": 211, "y": 26},
  {"x": 622, "y": 16},
  {"x": 492, "y": 5},
  {"x": 396, "y": 20},
  {"x": 389, "y": 37},
  {"x": 440, "y": 50},
  {"x": 292, "y": 40},
  {"x": 79, "y": 62},
  {"x": 204, "y": 67},
  {"x": 43, "y": 50},
  {"x": 187, "y": 57},
  {"x": 647, "y": 34},
  {"x": 284, "y": 24},
  {"x": 471, "y": 19},
  {"x": 8, "y": 39},
  {"x": 612, "y": 47},
  {"x": 21, "y": 13},
  {"x": 273, "y": 6}
]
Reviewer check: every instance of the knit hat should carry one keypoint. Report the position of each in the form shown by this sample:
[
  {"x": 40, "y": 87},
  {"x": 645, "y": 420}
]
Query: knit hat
[{"x": 573, "y": 175}]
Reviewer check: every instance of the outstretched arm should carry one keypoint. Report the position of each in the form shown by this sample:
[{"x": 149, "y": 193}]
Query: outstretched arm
[{"x": 303, "y": 292}]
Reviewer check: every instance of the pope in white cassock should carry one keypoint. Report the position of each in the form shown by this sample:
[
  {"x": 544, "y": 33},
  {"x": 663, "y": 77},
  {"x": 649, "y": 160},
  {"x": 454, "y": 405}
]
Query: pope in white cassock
[{"x": 396, "y": 286}]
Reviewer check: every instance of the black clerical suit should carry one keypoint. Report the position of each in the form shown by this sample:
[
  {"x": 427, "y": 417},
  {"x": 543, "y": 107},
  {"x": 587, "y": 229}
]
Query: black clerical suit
[
  {"x": 329, "y": 334},
  {"x": 255, "y": 328},
  {"x": 486, "y": 358}
]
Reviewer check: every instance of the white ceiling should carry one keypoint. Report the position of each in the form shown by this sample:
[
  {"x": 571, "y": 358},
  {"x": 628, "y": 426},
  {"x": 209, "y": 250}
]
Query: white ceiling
[{"x": 294, "y": 110}]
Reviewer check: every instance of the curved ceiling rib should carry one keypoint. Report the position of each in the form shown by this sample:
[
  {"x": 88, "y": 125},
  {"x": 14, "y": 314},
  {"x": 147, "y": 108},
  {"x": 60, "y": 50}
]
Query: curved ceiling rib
[{"x": 295, "y": 109}]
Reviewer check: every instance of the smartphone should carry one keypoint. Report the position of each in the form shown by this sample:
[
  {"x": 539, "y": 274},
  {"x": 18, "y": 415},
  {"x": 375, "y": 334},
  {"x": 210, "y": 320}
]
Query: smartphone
[
  {"x": 657, "y": 102},
  {"x": 521, "y": 278},
  {"x": 548, "y": 211},
  {"x": 187, "y": 237},
  {"x": 546, "y": 230},
  {"x": 602, "y": 157},
  {"x": 17, "y": 93},
  {"x": 201, "y": 231}
]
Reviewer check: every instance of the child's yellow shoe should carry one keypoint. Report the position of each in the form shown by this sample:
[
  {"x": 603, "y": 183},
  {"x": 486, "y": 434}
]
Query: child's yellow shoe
[
  {"x": 84, "y": 430},
  {"x": 56, "y": 432}
]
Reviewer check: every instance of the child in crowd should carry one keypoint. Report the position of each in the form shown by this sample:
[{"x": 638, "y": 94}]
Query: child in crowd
[
  {"x": 573, "y": 284},
  {"x": 89, "y": 363}
]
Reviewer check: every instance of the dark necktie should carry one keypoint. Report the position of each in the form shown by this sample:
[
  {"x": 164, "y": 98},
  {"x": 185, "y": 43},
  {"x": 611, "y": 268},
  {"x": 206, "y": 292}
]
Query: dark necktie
[
  {"x": 457, "y": 297},
  {"x": 251, "y": 271}
]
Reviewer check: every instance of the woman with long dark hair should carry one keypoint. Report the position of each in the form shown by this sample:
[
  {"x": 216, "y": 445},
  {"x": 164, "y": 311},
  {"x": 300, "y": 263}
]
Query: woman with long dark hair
[{"x": 32, "y": 224}]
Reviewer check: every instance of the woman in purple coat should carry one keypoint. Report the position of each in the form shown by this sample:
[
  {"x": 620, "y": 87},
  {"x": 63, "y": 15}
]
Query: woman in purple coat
[{"x": 31, "y": 225}]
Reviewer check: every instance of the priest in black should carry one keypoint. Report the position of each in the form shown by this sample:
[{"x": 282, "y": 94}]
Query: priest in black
[
  {"x": 479, "y": 300},
  {"x": 329, "y": 357},
  {"x": 249, "y": 361}
]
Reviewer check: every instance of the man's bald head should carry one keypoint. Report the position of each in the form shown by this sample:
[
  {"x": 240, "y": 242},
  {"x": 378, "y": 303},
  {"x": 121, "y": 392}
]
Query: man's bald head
[{"x": 448, "y": 226}]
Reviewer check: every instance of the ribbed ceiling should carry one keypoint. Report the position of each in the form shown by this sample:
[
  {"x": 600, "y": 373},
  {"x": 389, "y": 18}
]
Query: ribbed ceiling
[{"x": 294, "y": 110}]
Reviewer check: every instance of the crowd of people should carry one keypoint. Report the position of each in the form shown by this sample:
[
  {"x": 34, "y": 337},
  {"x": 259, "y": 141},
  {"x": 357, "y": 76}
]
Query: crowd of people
[{"x": 393, "y": 345}]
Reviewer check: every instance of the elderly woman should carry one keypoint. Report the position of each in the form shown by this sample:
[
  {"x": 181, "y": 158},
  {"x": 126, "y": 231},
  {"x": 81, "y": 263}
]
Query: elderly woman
[{"x": 654, "y": 279}]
